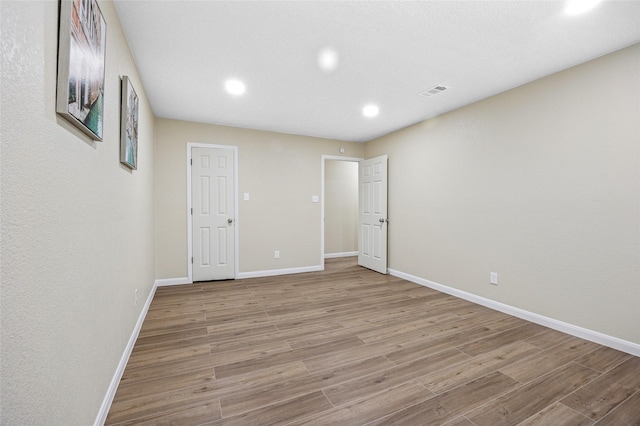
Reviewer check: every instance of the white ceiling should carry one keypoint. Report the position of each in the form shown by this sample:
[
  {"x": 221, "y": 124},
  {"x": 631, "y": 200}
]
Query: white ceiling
[{"x": 388, "y": 51}]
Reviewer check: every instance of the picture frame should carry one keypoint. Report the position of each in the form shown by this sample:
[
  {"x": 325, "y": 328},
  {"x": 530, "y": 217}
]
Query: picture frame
[
  {"x": 129, "y": 125},
  {"x": 81, "y": 66}
]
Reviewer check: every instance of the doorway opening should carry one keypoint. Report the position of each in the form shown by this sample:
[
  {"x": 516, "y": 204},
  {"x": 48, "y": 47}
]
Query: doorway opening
[{"x": 339, "y": 221}]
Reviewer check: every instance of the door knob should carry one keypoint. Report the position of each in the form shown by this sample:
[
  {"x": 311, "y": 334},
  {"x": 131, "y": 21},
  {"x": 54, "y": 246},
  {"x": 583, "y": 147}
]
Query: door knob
[
  {"x": 381, "y": 220},
  {"x": 229, "y": 221}
]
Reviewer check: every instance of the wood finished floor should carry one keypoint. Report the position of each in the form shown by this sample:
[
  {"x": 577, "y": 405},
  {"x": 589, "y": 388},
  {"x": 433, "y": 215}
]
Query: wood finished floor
[{"x": 348, "y": 346}]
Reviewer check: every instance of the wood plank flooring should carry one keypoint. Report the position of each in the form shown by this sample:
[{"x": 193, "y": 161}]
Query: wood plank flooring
[{"x": 348, "y": 346}]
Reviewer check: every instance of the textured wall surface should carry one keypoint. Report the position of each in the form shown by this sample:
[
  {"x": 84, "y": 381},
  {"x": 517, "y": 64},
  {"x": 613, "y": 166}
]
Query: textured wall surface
[
  {"x": 340, "y": 206},
  {"x": 77, "y": 228},
  {"x": 540, "y": 184},
  {"x": 280, "y": 172}
]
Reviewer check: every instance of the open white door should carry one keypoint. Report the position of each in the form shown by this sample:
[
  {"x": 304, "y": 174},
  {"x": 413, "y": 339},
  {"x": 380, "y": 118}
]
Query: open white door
[
  {"x": 213, "y": 213},
  {"x": 372, "y": 230}
]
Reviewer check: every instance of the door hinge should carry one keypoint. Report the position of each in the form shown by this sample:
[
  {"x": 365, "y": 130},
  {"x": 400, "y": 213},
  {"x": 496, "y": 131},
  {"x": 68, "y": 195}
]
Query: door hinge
[
  {"x": 191, "y": 161},
  {"x": 192, "y": 260},
  {"x": 191, "y": 211}
]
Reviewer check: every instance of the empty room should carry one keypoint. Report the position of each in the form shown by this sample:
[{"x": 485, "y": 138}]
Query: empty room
[{"x": 320, "y": 212}]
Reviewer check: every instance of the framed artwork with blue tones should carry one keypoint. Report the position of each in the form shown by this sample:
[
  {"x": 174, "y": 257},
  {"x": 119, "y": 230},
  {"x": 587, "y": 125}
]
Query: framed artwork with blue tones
[
  {"x": 81, "y": 65},
  {"x": 129, "y": 125}
]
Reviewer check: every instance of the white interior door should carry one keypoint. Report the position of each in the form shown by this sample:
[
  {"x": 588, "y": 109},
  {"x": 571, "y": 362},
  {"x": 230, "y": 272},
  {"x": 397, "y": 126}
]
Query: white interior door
[
  {"x": 213, "y": 211},
  {"x": 372, "y": 229}
]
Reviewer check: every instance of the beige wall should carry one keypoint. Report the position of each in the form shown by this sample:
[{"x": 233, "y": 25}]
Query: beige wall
[
  {"x": 340, "y": 206},
  {"x": 280, "y": 172},
  {"x": 77, "y": 229},
  {"x": 540, "y": 184}
]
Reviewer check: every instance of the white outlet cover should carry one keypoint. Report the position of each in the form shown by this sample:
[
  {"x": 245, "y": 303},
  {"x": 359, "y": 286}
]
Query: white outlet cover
[
  {"x": 493, "y": 278},
  {"x": 315, "y": 199},
  {"x": 246, "y": 196}
]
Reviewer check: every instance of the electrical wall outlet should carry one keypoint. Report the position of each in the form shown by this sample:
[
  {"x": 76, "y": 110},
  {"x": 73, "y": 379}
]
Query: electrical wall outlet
[
  {"x": 276, "y": 254},
  {"x": 493, "y": 278}
]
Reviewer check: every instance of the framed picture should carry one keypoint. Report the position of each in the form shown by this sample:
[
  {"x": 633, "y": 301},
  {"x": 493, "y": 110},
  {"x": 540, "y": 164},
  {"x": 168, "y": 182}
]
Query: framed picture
[
  {"x": 129, "y": 125},
  {"x": 81, "y": 60}
]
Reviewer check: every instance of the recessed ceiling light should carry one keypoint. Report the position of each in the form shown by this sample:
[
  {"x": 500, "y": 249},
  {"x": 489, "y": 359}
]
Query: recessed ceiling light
[
  {"x": 328, "y": 59},
  {"x": 576, "y": 7},
  {"x": 370, "y": 110},
  {"x": 235, "y": 87}
]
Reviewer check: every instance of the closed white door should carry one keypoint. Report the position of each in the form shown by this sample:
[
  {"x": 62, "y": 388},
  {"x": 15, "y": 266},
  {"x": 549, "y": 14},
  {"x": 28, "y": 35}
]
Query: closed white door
[
  {"x": 213, "y": 211},
  {"x": 372, "y": 216}
]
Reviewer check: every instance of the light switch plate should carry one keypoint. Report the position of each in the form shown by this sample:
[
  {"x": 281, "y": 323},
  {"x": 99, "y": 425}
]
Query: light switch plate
[
  {"x": 246, "y": 196},
  {"x": 315, "y": 199}
]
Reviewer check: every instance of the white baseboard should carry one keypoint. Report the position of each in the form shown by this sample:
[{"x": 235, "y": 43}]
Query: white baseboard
[
  {"x": 272, "y": 272},
  {"x": 344, "y": 254},
  {"x": 115, "y": 381},
  {"x": 173, "y": 281},
  {"x": 574, "y": 330}
]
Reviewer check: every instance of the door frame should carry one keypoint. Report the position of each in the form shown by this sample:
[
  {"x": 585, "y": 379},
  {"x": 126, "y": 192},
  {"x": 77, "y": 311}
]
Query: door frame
[
  {"x": 322, "y": 212},
  {"x": 236, "y": 253}
]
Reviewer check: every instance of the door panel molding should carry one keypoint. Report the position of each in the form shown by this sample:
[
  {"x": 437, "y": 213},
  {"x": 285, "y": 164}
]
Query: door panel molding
[
  {"x": 190, "y": 205},
  {"x": 372, "y": 216}
]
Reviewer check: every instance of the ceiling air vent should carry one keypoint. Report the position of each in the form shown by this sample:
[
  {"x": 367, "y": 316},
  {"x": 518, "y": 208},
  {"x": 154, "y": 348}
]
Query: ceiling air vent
[{"x": 433, "y": 91}]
